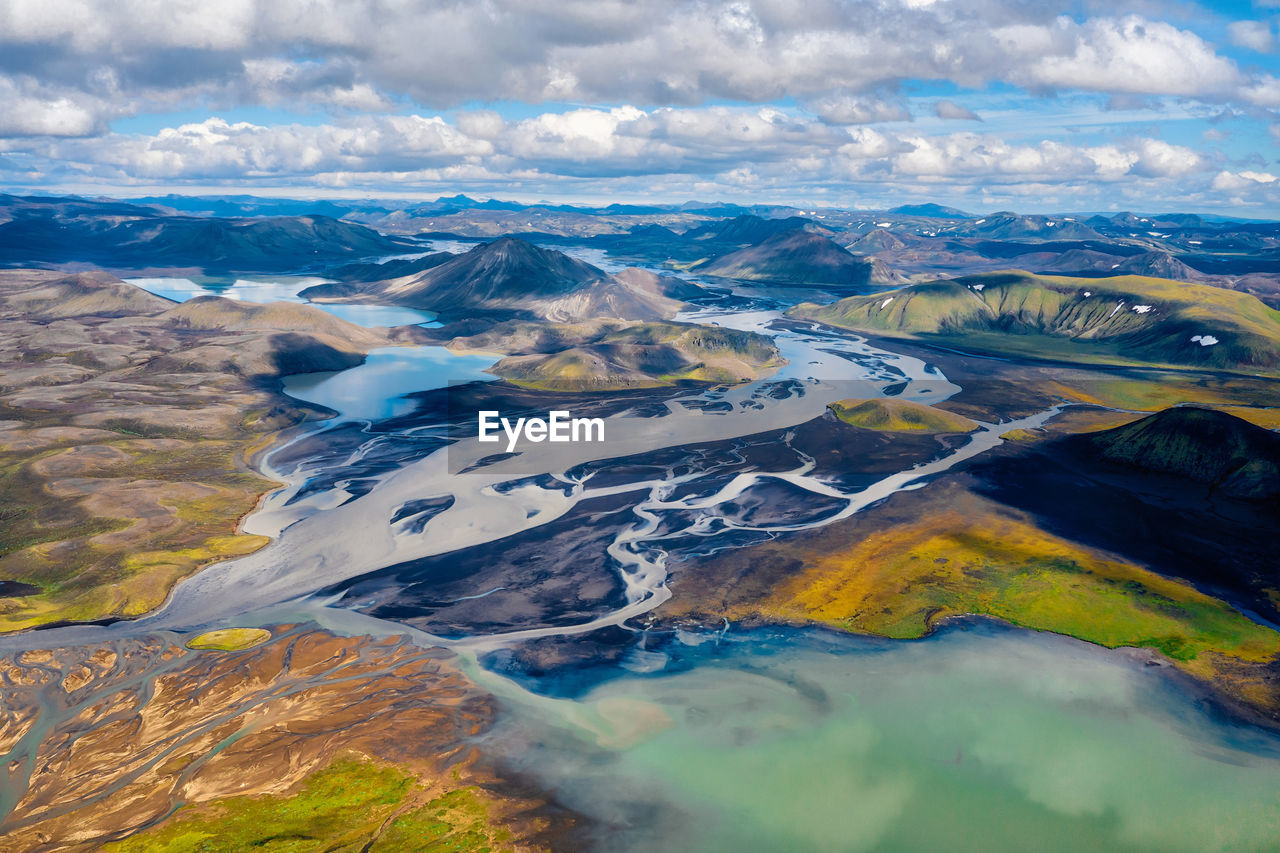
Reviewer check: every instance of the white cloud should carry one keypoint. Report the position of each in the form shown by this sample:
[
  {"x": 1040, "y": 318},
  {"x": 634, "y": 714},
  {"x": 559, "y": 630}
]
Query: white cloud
[
  {"x": 27, "y": 109},
  {"x": 1130, "y": 54},
  {"x": 765, "y": 147},
  {"x": 1255, "y": 35}
]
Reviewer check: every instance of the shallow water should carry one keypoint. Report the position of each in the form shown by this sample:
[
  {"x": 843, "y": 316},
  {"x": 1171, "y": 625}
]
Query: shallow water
[
  {"x": 280, "y": 289},
  {"x": 376, "y": 389},
  {"x": 990, "y": 738}
]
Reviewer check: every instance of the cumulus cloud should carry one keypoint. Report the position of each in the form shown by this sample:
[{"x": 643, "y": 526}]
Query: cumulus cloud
[
  {"x": 1129, "y": 54},
  {"x": 603, "y": 147},
  {"x": 28, "y": 109}
]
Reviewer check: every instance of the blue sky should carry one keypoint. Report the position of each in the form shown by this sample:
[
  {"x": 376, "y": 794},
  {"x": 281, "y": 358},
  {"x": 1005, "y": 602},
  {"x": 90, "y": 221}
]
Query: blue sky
[{"x": 982, "y": 104}]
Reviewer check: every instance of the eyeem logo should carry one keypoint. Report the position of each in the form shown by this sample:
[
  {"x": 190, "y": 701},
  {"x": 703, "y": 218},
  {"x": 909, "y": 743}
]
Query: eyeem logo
[{"x": 558, "y": 426}]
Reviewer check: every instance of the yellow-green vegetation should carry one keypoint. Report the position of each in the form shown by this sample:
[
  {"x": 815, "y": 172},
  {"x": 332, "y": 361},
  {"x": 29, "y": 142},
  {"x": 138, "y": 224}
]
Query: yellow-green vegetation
[
  {"x": 1118, "y": 320},
  {"x": 351, "y": 805},
  {"x": 902, "y": 581},
  {"x": 640, "y": 355},
  {"x": 889, "y": 415},
  {"x": 106, "y": 528},
  {"x": 1256, "y": 400},
  {"x": 230, "y": 639}
]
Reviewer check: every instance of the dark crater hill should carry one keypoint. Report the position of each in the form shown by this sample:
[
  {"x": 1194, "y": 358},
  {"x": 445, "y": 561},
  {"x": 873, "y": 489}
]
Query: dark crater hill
[
  {"x": 1191, "y": 493},
  {"x": 1231, "y": 455}
]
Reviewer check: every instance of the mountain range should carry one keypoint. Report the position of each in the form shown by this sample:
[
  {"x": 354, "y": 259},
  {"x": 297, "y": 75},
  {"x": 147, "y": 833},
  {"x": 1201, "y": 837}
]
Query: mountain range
[
  {"x": 38, "y": 231},
  {"x": 1125, "y": 319}
]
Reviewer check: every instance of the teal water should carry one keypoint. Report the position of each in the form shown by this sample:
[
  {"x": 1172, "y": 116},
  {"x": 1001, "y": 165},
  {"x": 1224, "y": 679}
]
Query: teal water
[
  {"x": 283, "y": 288},
  {"x": 376, "y": 389},
  {"x": 984, "y": 740}
]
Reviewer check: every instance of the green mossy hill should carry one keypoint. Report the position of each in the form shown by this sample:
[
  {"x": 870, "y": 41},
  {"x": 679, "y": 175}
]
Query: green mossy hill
[
  {"x": 645, "y": 355},
  {"x": 1236, "y": 457},
  {"x": 899, "y": 416},
  {"x": 793, "y": 257},
  {"x": 1123, "y": 319},
  {"x": 230, "y": 639}
]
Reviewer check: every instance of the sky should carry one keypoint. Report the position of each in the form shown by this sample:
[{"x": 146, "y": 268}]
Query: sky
[{"x": 980, "y": 104}]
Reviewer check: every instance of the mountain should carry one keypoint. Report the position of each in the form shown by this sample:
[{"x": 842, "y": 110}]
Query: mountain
[
  {"x": 1159, "y": 265},
  {"x": 876, "y": 240},
  {"x": 889, "y": 415},
  {"x": 511, "y": 277},
  {"x": 395, "y": 268},
  {"x": 613, "y": 356},
  {"x": 1118, "y": 319},
  {"x": 793, "y": 257},
  {"x": 1208, "y": 446},
  {"x": 747, "y": 229},
  {"x": 885, "y": 275},
  {"x": 216, "y": 313},
  {"x": 1007, "y": 225},
  {"x": 934, "y": 211},
  {"x": 35, "y": 230},
  {"x": 83, "y": 294},
  {"x": 236, "y": 206}
]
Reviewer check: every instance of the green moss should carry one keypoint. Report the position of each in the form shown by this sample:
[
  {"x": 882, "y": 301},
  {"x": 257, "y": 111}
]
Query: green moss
[
  {"x": 457, "y": 821},
  {"x": 900, "y": 582},
  {"x": 1050, "y": 317},
  {"x": 899, "y": 416},
  {"x": 230, "y": 639},
  {"x": 344, "y": 807}
]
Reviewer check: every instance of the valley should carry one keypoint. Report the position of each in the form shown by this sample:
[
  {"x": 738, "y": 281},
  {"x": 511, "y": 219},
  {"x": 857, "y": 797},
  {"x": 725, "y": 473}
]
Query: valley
[{"x": 285, "y": 592}]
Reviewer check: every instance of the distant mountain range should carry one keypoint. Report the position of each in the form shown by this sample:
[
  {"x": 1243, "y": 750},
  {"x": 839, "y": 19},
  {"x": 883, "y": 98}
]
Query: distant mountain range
[{"x": 115, "y": 235}]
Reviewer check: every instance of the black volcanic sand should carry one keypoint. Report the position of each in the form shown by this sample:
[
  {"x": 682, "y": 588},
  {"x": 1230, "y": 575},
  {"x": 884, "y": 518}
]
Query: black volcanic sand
[
  {"x": 559, "y": 573},
  {"x": 555, "y": 574}
]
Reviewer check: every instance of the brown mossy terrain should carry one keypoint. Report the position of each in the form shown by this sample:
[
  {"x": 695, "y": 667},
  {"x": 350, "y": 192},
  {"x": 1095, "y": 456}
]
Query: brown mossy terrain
[
  {"x": 127, "y": 432},
  {"x": 303, "y": 741}
]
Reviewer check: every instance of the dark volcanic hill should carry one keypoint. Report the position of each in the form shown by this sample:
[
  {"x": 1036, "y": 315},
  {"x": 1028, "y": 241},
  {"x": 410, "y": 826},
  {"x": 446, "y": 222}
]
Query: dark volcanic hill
[
  {"x": 1208, "y": 446},
  {"x": 508, "y": 268},
  {"x": 747, "y": 229},
  {"x": 513, "y": 278},
  {"x": 935, "y": 211},
  {"x": 793, "y": 257},
  {"x": 117, "y": 235}
]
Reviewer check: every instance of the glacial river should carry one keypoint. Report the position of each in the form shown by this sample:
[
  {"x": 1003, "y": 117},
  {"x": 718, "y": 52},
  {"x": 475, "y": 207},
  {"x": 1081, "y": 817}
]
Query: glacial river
[{"x": 981, "y": 737}]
